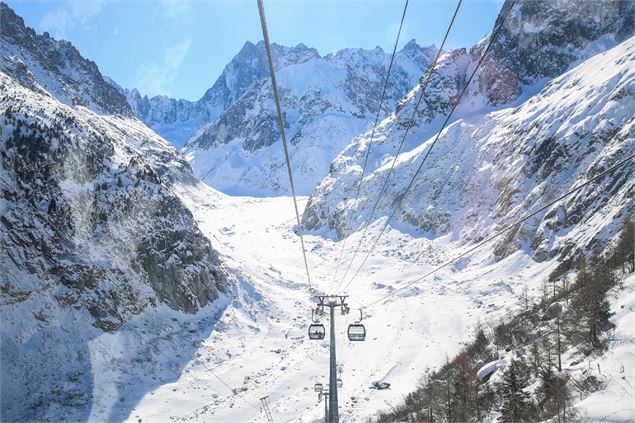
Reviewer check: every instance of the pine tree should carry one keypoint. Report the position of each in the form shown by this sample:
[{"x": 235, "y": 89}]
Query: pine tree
[
  {"x": 624, "y": 252},
  {"x": 515, "y": 405}
]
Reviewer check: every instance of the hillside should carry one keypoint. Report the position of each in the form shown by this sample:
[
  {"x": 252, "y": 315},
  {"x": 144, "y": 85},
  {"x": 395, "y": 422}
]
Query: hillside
[
  {"x": 488, "y": 168},
  {"x": 561, "y": 355},
  {"x": 93, "y": 232}
]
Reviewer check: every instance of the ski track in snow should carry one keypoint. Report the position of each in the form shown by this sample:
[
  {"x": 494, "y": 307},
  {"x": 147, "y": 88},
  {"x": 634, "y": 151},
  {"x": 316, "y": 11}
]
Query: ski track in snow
[{"x": 259, "y": 346}]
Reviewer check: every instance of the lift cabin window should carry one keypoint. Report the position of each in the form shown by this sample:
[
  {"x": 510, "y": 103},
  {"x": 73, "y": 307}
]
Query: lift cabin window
[
  {"x": 356, "y": 332},
  {"x": 316, "y": 332}
]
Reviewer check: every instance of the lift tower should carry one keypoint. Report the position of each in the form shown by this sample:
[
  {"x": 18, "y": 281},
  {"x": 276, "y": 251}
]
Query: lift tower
[
  {"x": 316, "y": 332},
  {"x": 264, "y": 407}
]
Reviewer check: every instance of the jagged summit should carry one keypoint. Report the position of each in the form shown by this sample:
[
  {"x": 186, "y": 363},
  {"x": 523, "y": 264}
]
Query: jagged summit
[
  {"x": 48, "y": 65},
  {"x": 178, "y": 119},
  {"x": 327, "y": 100}
]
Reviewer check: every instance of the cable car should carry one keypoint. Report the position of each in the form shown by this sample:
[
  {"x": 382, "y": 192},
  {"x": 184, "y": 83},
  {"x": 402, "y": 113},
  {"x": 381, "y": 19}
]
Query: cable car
[
  {"x": 316, "y": 331},
  {"x": 357, "y": 331},
  {"x": 318, "y": 387},
  {"x": 339, "y": 383}
]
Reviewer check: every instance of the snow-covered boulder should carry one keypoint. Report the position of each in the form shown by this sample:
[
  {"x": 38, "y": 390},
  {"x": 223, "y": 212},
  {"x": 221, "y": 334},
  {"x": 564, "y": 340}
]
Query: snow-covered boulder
[
  {"x": 487, "y": 370},
  {"x": 553, "y": 311}
]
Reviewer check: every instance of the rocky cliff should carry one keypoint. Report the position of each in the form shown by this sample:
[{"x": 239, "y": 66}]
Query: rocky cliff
[
  {"x": 92, "y": 231},
  {"x": 513, "y": 144}
]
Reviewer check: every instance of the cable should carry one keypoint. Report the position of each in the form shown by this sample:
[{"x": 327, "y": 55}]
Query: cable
[
  {"x": 506, "y": 229},
  {"x": 370, "y": 143},
  {"x": 414, "y": 177},
  {"x": 424, "y": 86},
  {"x": 274, "y": 87}
]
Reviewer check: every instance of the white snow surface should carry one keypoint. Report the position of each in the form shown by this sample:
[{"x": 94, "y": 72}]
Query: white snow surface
[{"x": 259, "y": 345}]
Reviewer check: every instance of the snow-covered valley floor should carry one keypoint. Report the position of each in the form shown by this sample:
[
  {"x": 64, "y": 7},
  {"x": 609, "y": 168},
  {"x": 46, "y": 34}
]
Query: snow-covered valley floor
[{"x": 259, "y": 345}]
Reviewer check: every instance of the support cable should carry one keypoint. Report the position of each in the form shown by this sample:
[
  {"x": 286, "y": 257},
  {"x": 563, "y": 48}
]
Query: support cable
[
  {"x": 424, "y": 86},
  {"x": 506, "y": 229},
  {"x": 274, "y": 86},
  {"x": 372, "y": 136},
  {"x": 438, "y": 135}
]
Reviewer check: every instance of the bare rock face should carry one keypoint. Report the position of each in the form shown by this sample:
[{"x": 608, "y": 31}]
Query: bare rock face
[
  {"x": 499, "y": 83},
  {"x": 542, "y": 39}
]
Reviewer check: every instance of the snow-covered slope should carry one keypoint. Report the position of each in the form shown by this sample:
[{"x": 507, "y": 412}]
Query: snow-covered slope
[
  {"x": 326, "y": 100},
  {"x": 614, "y": 367},
  {"x": 92, "y": 232},
  {"x": 488, "y": 169},
  {"x": 259, "y": 346}
]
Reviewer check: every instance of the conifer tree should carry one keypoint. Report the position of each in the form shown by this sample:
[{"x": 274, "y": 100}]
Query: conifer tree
[{"x": 515, "y": 405}]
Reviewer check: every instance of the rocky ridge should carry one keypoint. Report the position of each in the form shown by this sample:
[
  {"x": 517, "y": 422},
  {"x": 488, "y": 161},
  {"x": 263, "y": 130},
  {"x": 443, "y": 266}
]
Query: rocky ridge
[
  {"x": 496, "y": 161},
  {"x": 92, "y": 230},
  {"x": 326, "y": 100}
]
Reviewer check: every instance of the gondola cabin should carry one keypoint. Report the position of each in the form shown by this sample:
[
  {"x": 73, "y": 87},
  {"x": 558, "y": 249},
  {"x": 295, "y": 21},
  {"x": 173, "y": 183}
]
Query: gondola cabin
[
  {"x": 316, "y": 331},
  {"x": 356, "y": 332},
  {"x": 318, "y": 387}
]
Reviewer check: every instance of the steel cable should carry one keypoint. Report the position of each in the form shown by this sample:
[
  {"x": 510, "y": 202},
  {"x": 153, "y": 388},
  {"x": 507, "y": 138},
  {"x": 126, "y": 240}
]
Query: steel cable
[
  {"x": 414, "y": 177},
  {"x": 424, "y": 86}
]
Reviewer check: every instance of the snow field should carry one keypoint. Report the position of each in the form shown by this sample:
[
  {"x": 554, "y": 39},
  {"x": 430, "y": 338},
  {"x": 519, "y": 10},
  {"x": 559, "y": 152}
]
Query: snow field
[{"x": 260, "y": 347}]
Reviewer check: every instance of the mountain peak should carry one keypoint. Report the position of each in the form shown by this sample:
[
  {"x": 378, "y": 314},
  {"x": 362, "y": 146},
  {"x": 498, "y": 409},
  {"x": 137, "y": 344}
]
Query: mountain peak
[
  {"x": 420, "y": 55},
  {"x": 61, "y": 69},
  {"x": 412, "y": 43}
]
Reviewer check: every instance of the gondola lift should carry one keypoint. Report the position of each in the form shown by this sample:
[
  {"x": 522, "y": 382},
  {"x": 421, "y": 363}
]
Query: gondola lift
[
  {"x": 317, "y": 332},
  {"x": 357, "y": 331}
]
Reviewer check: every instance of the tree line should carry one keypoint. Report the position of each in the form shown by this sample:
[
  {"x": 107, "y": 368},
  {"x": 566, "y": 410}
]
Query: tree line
[{"x": 571, "y": 314}]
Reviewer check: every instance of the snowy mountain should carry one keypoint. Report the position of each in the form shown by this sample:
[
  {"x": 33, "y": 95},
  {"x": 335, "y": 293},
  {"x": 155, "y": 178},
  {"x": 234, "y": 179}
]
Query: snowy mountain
[
  {"x": 490, "y": 167},
  {"x": 326, "y": 100},
  {"x": 177, "y": 120},
  {"x": 93, "y": 232},
  {"x": 116, "y": 307}
]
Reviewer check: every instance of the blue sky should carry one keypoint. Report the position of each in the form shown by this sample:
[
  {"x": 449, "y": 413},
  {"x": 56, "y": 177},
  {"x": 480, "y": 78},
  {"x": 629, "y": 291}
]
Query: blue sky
[{"x": 180, "y": 47}]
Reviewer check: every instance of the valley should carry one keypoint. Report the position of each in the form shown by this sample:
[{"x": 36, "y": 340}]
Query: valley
[
  {"x": 151, "y": 263},
  {"x": 260, "y": 347}
]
